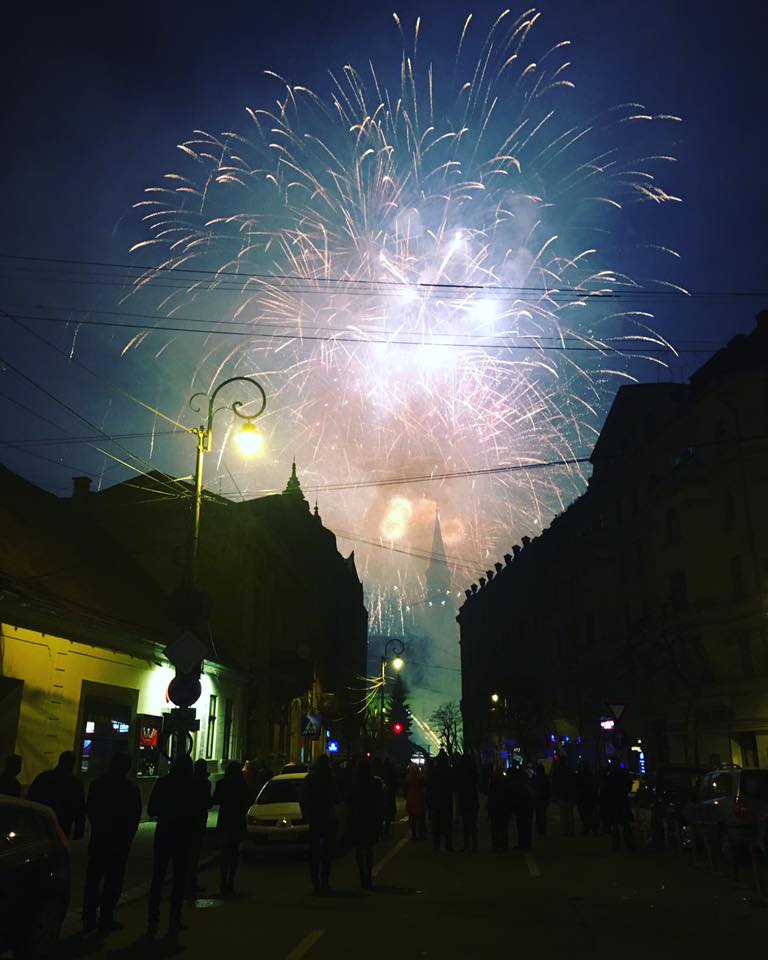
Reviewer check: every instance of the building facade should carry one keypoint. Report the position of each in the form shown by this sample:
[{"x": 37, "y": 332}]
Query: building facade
[
  {"x": 90, "y": 597},
  {"x": 645, "y": 601},
  {"x": 82, "y": 635}
]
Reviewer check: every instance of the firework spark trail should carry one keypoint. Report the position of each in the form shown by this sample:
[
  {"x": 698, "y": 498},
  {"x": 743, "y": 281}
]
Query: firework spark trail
[{"x": 475, "y": 176}]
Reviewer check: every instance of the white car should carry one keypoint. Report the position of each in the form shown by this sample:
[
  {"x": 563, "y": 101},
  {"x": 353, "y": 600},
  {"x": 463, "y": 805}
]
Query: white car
[{"x": 275, "y": 818}]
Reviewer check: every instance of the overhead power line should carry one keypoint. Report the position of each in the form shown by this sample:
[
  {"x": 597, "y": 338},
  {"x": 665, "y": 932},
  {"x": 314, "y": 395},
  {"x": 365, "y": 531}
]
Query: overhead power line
[
  {"x": 632, "y": 349},
  {"x": 355, "y": 281},
  {"x": 71, "y": 410}
]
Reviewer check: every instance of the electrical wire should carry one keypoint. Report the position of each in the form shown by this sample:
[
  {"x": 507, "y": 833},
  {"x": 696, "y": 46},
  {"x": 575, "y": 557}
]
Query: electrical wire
[
  {"x": 351, "y": 281},
  {"x": 93, "y": 426}
]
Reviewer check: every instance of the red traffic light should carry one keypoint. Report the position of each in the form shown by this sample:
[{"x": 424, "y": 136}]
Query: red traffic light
[{"x": 397, "y": 728}]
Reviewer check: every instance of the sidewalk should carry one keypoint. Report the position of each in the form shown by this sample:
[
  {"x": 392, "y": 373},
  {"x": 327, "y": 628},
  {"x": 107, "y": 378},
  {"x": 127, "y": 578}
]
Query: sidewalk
[{"x": 138, "y": 873}]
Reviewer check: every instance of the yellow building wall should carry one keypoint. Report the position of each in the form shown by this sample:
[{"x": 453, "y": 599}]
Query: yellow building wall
[{"x": 53, "y": 670}]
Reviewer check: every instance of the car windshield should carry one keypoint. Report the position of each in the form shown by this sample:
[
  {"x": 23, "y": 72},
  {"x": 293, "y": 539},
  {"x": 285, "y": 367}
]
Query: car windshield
[
  {"x": 281, "y": 791},
  {"x": 754, "y": 784},
  {"x": 680, "y": 779}
]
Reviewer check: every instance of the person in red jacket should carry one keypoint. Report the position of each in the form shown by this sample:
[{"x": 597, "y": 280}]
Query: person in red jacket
[{"x": 416, "y": 801}]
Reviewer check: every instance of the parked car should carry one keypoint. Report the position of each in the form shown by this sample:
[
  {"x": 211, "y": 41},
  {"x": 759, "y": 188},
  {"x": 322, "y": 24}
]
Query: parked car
[
  {"x": 292, "y": 767},
  {"x": 673, "y": 794},
  {"x": 727, "y": 808},
  {"x": 34, "y": 878},
  {"x": 275, "y": 818}
]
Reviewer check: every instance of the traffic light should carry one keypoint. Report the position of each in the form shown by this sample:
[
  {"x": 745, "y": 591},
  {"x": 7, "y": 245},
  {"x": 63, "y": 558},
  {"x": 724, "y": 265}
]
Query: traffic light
[{"x": 397, "y": 728}]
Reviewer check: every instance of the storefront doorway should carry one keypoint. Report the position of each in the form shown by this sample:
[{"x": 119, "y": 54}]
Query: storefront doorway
[{"x": 106, "y": 725}]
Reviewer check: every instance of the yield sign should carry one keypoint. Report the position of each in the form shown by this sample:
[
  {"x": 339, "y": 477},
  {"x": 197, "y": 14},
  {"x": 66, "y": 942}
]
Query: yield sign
[
  {"x": 186, "y": 651},
  {"x": 617, "y": 709}
]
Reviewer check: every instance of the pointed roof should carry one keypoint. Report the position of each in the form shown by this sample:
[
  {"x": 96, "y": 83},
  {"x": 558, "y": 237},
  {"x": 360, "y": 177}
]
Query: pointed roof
[
  {"x": 293, "y": 487},
  {"x": 438, "y": 548},
  {"x": 438, "y": 573}
]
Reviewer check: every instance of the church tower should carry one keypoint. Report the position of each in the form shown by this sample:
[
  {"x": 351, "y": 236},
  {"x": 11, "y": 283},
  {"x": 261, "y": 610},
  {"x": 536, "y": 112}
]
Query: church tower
[
  {"x": 293, "y": 489},
  {"x": 438, "y": 577}
]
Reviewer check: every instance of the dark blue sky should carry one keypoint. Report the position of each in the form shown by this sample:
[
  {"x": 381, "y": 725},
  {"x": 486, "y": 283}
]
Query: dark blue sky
[{"x": 98, "y": 96}]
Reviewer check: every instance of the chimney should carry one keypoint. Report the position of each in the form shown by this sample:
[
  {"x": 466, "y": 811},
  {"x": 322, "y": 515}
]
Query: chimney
[
  {"x": 526, "y": 541},
  {"x": 468, "y": 594},
  {"x": 81, "y": 489},
  {"x": 508, "y": 558},
  {"x": 516, "y": 549},
  {"x": 474, "y": 588},
  {"x": 490, "y": 574},
  {"x": 482, "y": 582},
  {"x": 499, "y": 566}
]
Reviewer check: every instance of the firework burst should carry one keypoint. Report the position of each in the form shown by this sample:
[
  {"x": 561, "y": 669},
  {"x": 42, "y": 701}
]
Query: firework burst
[{"x": 428, "y": 271}]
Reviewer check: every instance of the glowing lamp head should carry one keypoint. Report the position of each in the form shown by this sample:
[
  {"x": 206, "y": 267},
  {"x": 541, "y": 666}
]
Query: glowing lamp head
[
  {"x": 249, "y": 440},
  {"x": 398, "y": 663},
  {"x": 494, "y": 698}
]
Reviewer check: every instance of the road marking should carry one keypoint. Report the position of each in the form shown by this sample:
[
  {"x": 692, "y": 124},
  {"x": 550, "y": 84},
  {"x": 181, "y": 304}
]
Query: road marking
[
  {"x": 385, "y": 860},
  {"x": 533, "y": 867},
  {"x": 302, "y": 949}
]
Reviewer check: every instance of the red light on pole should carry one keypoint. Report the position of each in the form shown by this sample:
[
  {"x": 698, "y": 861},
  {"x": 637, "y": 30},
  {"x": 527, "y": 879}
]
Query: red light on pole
[{"x": 397, "y": 728}]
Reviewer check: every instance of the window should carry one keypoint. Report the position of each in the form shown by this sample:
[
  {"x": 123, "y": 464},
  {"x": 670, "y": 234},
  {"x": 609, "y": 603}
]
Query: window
[
  {"x": 737, "y": 578},
  {"x": 210, "y": 734},
  {"x": 720, "y": 786},
  {"x": 281, "y": 791},
  {"x": 227, "y": 748},
  {"x": 19, "y": 826},
  {"x": 754, "y": 784}
]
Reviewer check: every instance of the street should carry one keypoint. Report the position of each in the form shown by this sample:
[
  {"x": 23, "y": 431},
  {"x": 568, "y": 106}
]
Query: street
[{"x": 569, "y": 897}]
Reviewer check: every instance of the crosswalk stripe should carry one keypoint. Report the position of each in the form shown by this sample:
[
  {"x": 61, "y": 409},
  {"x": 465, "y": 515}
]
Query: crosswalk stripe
[
  {"x": 385, "y": 859},
  {"x": 533, "y": 867},
  {"x": 304, "y": 946}
]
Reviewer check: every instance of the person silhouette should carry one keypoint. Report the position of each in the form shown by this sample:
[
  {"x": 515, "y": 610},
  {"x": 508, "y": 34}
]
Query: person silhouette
[
  {"x": 9, "y": 778},
  {"x": 203, "y": 794},
  {"x": 365, "y": 804},
  {"x": 440, "y": 801},
  {"x": 318, "y": 807},
  {"x": 114, "y": 810},
  {"x": 174, "y": 804},
  {"x": 63, "y": 792},
  {"x": 233, "y": 797}
]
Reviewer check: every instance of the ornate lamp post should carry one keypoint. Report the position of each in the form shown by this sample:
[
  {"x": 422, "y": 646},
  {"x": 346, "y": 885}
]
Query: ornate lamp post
[
  {"x": 397, "y": 664},
  {"x": 188, "y": 651},
  {"x": 248, "y": 438}
]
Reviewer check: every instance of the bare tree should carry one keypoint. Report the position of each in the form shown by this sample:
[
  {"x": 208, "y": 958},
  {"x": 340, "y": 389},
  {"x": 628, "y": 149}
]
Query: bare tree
[{"x": 446, "y": 721}]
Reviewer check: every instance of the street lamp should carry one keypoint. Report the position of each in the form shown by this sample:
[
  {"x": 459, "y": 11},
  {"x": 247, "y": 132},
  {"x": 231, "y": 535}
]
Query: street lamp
[
  {"x": 397, "y": 664},
  {"x": 249, "y": 440},
  {"x": 187, "y": 652},
  {"x": 494, "y": 698}
]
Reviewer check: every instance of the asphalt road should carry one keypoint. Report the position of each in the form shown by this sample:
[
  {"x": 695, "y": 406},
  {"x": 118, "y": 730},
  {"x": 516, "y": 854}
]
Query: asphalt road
[{"x": 569, "y": 897}]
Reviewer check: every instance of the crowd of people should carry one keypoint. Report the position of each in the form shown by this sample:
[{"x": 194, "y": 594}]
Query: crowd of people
[{"x": 357, "y": 798}]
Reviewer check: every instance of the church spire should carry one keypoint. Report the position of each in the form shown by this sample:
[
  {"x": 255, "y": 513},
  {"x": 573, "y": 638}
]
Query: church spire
[
  {"x": 438, "y": 574},
  {"x": 293, "y": 487}
]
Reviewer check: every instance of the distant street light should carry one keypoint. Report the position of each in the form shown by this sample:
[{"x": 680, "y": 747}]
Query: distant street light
[
  {"x": 494, "y": 698},
  {"x": 397, "y": 664}
]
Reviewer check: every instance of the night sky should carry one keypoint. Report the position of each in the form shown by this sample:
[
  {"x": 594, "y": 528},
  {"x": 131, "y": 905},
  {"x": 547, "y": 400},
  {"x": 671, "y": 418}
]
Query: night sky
[{"x": 98, "y": 97}]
